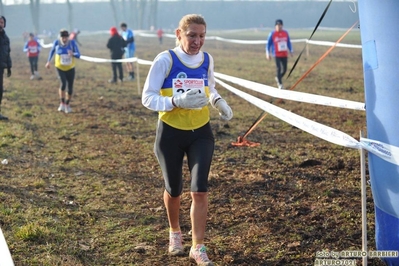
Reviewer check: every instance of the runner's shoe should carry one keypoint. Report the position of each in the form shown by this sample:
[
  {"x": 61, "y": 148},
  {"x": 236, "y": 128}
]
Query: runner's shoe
[
  {"x": 68, "y": 109},
  {"x": 175, "y": 244},
  {"x": 278, "y": 83},
  {"x": 61, "y": 108},
  {"x": 198, "y": 254},
  {"x": 129, "y": 78}
]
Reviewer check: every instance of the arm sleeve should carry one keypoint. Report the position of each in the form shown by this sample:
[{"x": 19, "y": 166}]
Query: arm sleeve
[
  {"x": 130, "y": 39},
  {"x": 26, "y": 47},
  {"x": 214, "y": 95},
  {"x": 151, "y": 97},
  {"x": 76, "y": 52},
  {"x": 9, "y": 61},
  {"x": 52, "y": 51},
  {"x": 289, "y": 44},
  {"x": 269, "y": 43}
]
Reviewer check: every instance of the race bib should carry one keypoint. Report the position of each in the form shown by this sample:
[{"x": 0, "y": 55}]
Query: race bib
[
  {"x": 181, "y": 85},
  {"x": 66, "y": 60},
  {"x": 282, "y": 46},
  {"x": 33, "y": 49}
]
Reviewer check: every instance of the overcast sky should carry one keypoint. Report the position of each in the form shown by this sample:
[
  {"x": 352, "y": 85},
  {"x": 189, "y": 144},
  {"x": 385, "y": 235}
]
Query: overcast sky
[{"x": 13, "y": 2}]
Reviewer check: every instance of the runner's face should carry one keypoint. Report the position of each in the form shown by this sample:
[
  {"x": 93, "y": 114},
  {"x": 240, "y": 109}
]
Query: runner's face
[
  {"x": 192, "y": 39},
  {"x": 1, "y": 23}
]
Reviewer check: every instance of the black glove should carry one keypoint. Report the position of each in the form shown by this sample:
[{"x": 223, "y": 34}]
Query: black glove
[{"x": 8, "y": 72}]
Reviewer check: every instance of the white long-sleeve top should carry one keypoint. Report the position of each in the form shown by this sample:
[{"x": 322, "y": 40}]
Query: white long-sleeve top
[{"x": 151, "y": 97}]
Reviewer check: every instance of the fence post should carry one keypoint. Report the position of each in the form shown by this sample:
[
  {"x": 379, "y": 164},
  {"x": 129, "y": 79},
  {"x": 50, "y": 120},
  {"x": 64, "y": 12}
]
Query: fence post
[
  {"x": 138, "y": 77},
  {"x": 364, "y": 201}
]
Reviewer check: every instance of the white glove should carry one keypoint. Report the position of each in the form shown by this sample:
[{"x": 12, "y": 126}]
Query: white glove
[
  {"x": 192, "y": 99},
  {"x": 224, "y": 110}
]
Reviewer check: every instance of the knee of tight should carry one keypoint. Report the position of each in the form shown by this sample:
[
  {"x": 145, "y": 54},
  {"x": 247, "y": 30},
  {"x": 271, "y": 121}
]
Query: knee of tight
[{"x": 174, "y": 193}]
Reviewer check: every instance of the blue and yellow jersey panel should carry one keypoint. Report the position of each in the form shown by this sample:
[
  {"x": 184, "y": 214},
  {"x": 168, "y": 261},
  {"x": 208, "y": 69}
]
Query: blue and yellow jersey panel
[{"x": 180, "y": 79}]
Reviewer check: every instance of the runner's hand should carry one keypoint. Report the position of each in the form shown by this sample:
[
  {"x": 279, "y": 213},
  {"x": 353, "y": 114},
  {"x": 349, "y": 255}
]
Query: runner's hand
[
  {"x": 192, "y": 99},
  {"x": 8, "y": 72},
  {"x": 224, "y": 109}
]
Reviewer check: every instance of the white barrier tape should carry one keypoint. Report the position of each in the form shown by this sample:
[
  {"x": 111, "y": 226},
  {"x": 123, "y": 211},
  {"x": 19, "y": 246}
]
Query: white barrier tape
[
  {"x": 43, "y": 45},
  {"x": 144, "y": 62},
  {"x": 102, "y": 60},
  {"x": 293, "y": 95},
  {"x": 5, "y": 255},
  {"x": 217, "y": 38},
  {"x": 235, "y": 41},
  {"x": 383, "y": 150},
  {"x": 312, "y": 127},
  {"x": 153, "y": 35},
  {"x": 325, "y": 43}
]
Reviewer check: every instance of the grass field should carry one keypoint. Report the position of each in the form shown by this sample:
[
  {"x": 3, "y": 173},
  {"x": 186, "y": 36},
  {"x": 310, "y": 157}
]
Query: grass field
[{"x": 85, "y": 188}]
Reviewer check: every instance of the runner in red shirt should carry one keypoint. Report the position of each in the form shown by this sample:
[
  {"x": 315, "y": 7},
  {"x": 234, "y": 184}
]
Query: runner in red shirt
[
  {"x": 74, "y": 36},
  {"x": 279, "y": 44},
  {"x": 160, "y": 35},
  {"x": 32, "y": 49}
]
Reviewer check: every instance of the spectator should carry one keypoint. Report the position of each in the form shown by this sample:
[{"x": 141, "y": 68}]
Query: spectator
[
  {"x": 116, "y": 44},
  {"x": 130, "y": 48},
  {"x": 5, "y": 59}
]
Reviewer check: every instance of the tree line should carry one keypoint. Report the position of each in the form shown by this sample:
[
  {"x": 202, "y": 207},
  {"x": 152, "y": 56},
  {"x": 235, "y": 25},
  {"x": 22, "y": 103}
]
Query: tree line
[{"x": 130, "y": 11}]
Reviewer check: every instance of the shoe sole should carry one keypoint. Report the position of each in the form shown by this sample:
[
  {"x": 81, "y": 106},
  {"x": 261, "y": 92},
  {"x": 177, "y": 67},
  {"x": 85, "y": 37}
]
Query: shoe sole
[
  {"x": 209, "y": 263},
  {"x": 176, "y": 253}
]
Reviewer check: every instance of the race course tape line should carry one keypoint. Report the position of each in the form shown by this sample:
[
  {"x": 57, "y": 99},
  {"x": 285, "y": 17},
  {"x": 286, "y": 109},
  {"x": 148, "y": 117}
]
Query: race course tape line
[
  {"x": 385, "y": 151},
  {"x": 5, "y": 255},
  {"x": 261, "y": 88},
  {"x": 217, "y": 38},
  {"x": 102, "y": 60},
  {"x": 293, "y": 95}
]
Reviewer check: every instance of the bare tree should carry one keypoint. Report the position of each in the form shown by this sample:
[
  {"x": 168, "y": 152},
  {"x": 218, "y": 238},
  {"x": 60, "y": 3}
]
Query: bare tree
[
  {"x": 34, "y": 11},
  {"x": 133, "y": 13},
  {"x": 124, "y": 9},
  {"x": 1, "y": 7},
  {"x": 114, "y": 11},
  {"x": 70, "y": 15},
  {"x": 152, "y": 16},
  {"x": 141, "y": 5}
]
